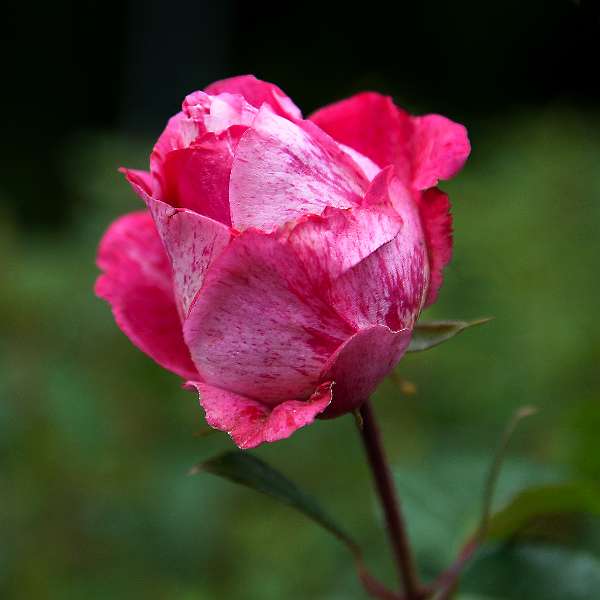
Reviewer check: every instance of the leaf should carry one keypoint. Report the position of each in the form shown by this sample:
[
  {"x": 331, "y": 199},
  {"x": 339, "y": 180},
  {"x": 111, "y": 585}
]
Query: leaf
[
  {"x": 252, "y": 472},
  {"x": 544, "y": 500},
  {"x": 495, "y": 468},
  {"x": 248, "y": 470},
  {"x": 534, "y": 572},
  {"x": 428, "y": 334},
  {"x": 441, "y": 497}
]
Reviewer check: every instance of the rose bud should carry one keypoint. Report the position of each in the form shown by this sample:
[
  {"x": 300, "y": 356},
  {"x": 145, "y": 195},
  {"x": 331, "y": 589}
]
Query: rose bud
[{"x": 281, "y": 263}]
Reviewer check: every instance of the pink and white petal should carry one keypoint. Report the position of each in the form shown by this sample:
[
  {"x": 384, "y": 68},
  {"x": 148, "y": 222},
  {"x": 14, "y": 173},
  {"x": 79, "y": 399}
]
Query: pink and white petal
[
  {"x": 201, "y": 114},
  {"x": 198, "y": 177},
  {"x": 249, "y": 422},
  {"x": 260, "y": 328},
  {"x": 179, "y": 133},
  {"x": 388, "y": 286},
  {"x": 136, "y": 281},
  {"x": 257, "y": 92},
  {"x": 192, "y": 242},
  {"x": 215, "y": 114},
  {"x": 372, "y": 125},
  {"x": 331, "y": 243},
  {"x": 441, "y": 148},
  {"x": 360, "y": 364},
  {"x": 282, "y": 171},
  {"x": 434, "y": 208},
  {"x": 368, "y": 167}
]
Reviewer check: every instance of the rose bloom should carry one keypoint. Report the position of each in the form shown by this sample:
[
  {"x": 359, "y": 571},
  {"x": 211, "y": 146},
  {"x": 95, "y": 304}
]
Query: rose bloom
[{"x": 281, "y": 263}]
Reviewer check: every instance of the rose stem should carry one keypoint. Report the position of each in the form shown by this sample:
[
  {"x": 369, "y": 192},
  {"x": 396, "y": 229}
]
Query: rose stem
[{"x": 387, "y": 496}]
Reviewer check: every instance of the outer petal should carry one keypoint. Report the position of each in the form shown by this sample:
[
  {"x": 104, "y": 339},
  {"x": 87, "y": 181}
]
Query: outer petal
[
  {"x": 257, "y": 92},
  {"x": 388, "y": 286},
  {"x": 179, "y": 133},
  {"x": 434, "y": 208},
  {"x": 360, "y": 364},
  {"x": 282, "y": 171},
  {"x": 373, "y": 125},
  {"x": 336, "y": 241},
  {"x": 192, "y": 242},
  {"x": 441, "y": 148},
  {"x": 259, "y": 328},
  {"x": 198, "y": 177},
  {"x": 251, "y": 423},
  {"x": 423, "y": 149},
  {"x": 136, "y": 281},
  {"x": 140, "y": 179}
]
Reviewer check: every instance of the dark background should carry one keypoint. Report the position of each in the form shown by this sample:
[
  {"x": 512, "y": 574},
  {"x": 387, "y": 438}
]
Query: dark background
[
  {"x": 95, "y": 439},
  {"x": 79, "y": 66}
]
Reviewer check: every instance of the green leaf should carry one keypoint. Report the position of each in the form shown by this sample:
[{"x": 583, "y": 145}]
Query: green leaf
[
  {"x": 428, "y": 334},
  {"x": 533, "y": 572},
  {"x": 441, "y": 497},
  {"x": 248, "y": 470},
  {"x": 495, "y": 468},
  {"x": 544, "y": 500}
]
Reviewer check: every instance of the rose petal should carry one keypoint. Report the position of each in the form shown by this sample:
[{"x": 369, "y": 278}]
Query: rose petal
[
  {"x": 250, "y": 423},
  {"x": 371, "y": 124},
  {"x": 136, "y": 281},
  {"x": 434, "y": 208},
  {"x": 192, "y": 242},
  {"x": 441, "y": 148},
  {"x": 215, "y": 114},
  {"x": 198, "y": 177},
  {"x": 423, "y": 149},
  {"x": 140, "y": 179},
  {"x": 201, "y": 114},
  {"x": 257, "y": 92},
  {"x": 259, "y": 328},
  {"x": 179, "y": 133},
  {"x": 282, "y": 171},
  {"x": 388, "y": 286},
  {"x": 368, "y": 167},
  {"x": 332, "y": 243},
  {"x": 360, "y": 364}
]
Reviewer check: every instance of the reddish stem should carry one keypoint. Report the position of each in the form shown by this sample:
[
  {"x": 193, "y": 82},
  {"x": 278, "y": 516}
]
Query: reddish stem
[{"x": 391, "y": 508}]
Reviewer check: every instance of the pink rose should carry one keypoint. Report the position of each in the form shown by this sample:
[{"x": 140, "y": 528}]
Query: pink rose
[{"x": 282, "y": 263}]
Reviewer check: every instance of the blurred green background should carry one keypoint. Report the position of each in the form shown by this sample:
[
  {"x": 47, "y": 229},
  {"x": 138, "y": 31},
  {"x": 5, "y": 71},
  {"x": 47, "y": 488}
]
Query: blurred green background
[{"x": 96, "y": 440}]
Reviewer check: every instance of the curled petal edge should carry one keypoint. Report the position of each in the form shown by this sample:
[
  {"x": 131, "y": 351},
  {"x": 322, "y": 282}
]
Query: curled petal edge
[
  {"x": 250, "y": 423},
  {"x": 136, "y": 282}
]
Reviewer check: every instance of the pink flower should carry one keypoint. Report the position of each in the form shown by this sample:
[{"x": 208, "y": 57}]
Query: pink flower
[{"x": 282, "y": 262}]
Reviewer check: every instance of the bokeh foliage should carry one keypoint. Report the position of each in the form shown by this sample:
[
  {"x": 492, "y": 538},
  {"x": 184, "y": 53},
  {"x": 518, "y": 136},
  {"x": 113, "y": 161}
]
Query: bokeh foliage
[{"x": 96, "y": 440}]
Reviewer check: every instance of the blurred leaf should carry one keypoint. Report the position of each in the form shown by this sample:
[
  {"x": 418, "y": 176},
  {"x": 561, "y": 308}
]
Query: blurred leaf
[
  {"x": 428, "y": 334},
  {"x": 248, "y": 470},
  {"x": 447, "y": 581},
  {"x": 532, "y": 572},
  {"x": 441, "y": 497},
  {"x": 496, "y": 466},
  {"x": 551, "y": 499},
  {"x": 252, "y": 472}
]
